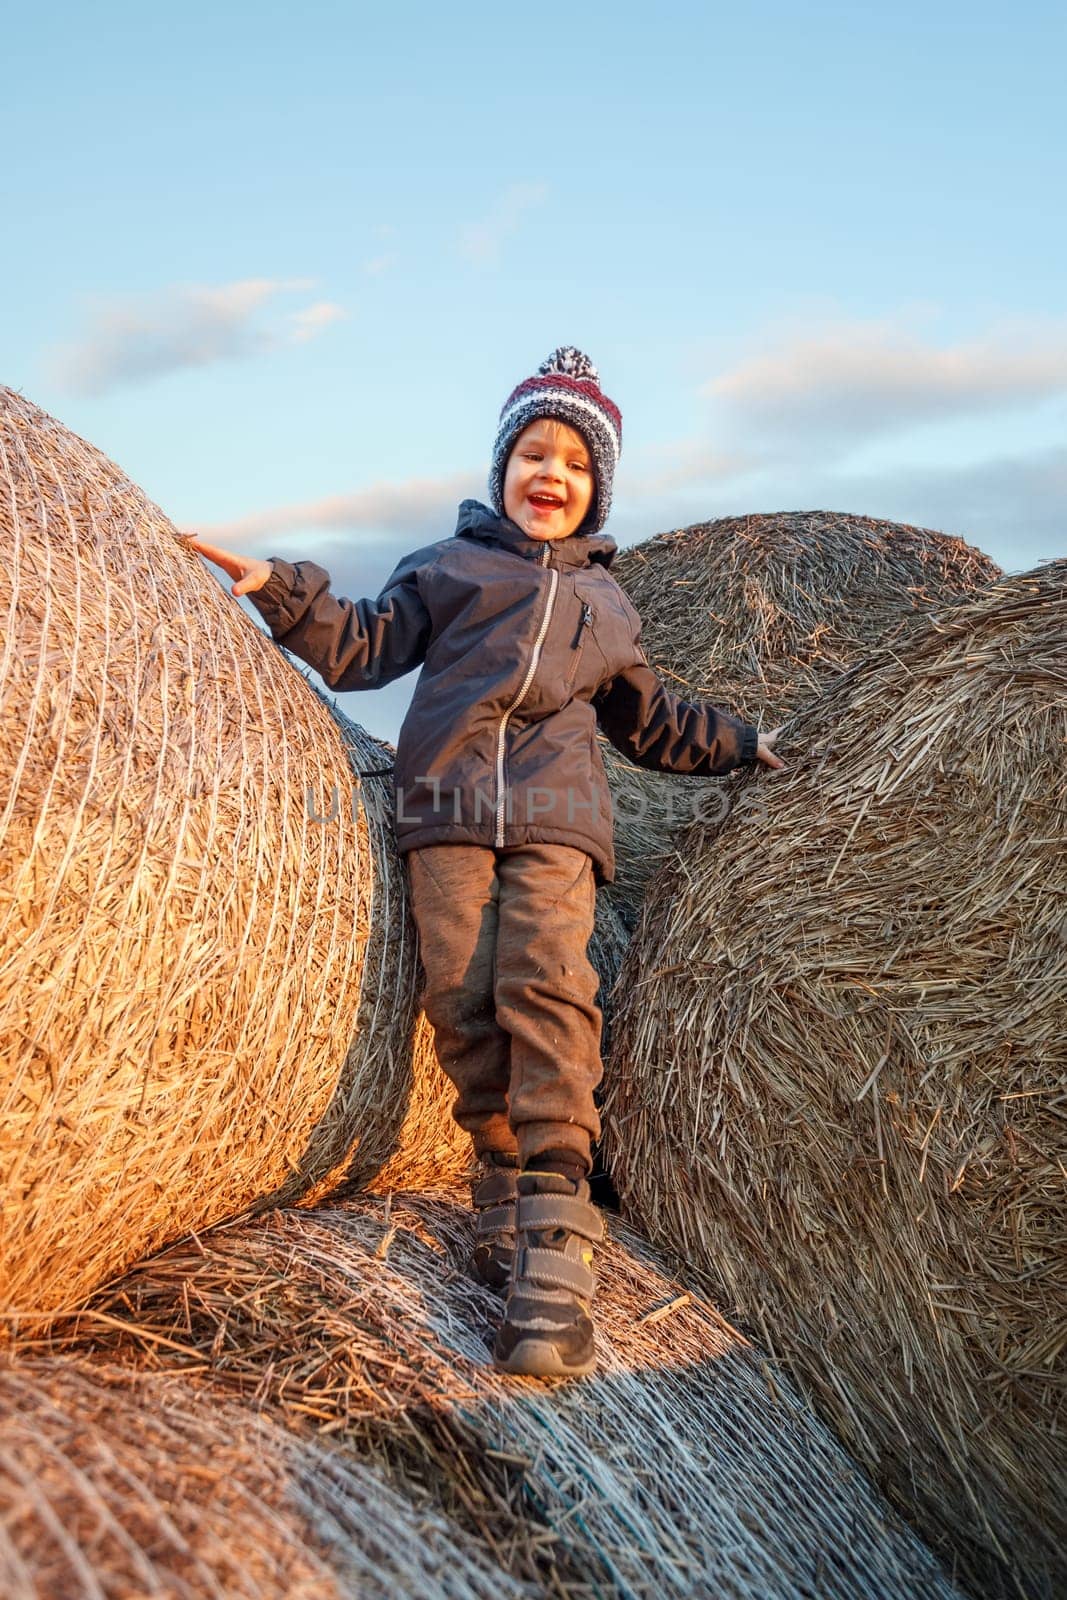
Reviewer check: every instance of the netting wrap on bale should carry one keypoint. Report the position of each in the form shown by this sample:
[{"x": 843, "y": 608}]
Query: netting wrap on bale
[
  {"x": 683, "y": 1468},
  {"x": 837, "y": 1081},
  {"x": 758, "y": 615},
  {"x": 182, "y": 937},
  {"x": 120, "y": 1483}
]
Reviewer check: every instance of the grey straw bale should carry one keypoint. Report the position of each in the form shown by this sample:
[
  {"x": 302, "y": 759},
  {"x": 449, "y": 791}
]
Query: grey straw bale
[
  {"x": 181, "y": 942},
  {"x": 759, "y": 614},
  {"x": 837, "y": 1082},
  {"x": 115, "y": 1483},
  {"x": 685, "y": 1467}
]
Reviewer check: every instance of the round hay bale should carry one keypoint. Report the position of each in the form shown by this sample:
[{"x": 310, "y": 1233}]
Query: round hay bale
[
  {"x": 836, "y": 1087},
  {"x": 115, "y": 1482},
  {"x": 758, "y": 615},
  {"x": 185, "y": 1028},
  {"x": 685, "y": 1467}
]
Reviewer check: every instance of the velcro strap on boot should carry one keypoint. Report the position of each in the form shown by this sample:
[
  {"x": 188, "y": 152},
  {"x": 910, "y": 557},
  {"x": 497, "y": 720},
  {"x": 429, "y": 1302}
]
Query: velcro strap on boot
[
  {"x": 495, "y": 1219},
  {"x": 550, "y": 1269},
  {"x": 539, "y": 1211},
  {"x": 500, "y": 1184}
]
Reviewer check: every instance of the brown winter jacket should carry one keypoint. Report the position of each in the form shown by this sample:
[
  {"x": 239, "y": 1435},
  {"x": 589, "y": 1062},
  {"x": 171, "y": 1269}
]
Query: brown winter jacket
[{"x": 524, "y": 646}]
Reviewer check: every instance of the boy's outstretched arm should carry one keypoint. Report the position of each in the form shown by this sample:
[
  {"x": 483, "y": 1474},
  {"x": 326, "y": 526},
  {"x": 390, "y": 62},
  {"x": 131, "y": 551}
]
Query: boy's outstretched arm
[
  {"x": 353, "y": 644},
  {"x": 657, "y": 730}
]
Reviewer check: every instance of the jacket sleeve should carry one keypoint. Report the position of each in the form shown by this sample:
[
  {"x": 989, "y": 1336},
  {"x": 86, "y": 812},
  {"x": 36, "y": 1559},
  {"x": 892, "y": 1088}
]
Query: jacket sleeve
[
  {"x": 657, "y": 730},
  {"x": 353, "y": 644}
]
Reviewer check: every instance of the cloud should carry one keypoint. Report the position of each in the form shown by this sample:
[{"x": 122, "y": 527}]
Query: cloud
[
  {"x": 482, "y": 242},
  {"x": 423, "y": 508},
  {"x": 310, "y": 322},
  {"x": 863, "y": 379},
  {"x": 193, "y": 325}
]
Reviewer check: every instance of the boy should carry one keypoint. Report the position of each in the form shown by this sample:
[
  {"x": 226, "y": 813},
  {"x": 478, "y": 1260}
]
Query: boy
[{"x": 503, "y": 815}]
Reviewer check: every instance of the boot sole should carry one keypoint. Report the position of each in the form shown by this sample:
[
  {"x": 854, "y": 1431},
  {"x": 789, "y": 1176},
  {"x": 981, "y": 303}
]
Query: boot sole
[{"x": 537, "y": 1358}]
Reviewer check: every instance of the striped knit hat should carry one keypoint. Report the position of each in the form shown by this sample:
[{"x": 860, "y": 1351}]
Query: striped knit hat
[{"x": 567, "y": 389}]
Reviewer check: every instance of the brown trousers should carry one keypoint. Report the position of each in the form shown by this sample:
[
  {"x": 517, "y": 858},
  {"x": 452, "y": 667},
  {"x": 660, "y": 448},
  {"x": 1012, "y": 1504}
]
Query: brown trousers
[{"x": 510, "y": 991}]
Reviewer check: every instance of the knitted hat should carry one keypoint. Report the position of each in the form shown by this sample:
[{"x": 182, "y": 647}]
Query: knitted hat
[{"x": 567, "y": 389}]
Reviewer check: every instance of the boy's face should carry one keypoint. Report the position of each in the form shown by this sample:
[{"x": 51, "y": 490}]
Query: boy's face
[{"x": 549, "y": 480}]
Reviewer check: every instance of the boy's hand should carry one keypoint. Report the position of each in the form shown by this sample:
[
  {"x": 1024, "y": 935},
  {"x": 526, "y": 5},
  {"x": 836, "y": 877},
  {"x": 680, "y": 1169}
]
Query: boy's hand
[
  {"x": 765, "y": 749},
  {"x": 250, "y": 572}
]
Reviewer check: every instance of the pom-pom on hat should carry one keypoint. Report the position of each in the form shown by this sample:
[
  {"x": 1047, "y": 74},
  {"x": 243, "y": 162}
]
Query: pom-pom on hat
[{"x": 566, "y": 388}]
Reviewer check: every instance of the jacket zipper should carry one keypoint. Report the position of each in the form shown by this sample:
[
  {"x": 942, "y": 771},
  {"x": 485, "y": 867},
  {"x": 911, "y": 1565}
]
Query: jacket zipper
[{"x": 498, "y": 837}]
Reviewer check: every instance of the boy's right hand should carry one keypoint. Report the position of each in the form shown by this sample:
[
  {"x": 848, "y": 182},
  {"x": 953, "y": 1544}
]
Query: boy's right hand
[{"x": 250, "y": 572}]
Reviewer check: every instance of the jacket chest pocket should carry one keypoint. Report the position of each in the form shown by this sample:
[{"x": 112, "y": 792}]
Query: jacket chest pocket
[
  {"x": 608, "y": 637},
  {"x": 598, "y": 631},
  {"x": 579, "y": 639}
]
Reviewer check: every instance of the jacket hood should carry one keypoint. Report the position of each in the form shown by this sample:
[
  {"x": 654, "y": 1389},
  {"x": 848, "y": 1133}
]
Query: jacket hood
[{"x": 478, "y": 521}]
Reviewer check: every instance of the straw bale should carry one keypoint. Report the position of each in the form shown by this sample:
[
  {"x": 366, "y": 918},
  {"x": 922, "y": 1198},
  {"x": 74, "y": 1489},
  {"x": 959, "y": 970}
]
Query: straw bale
[
  {"x": 759, "y": 614},
  {"x": 184, "y": 1023},
  {"x": 836, "y": 1088},
  {"x": 119, "y": 1483},
  {"x": 685, "y": 1467}
]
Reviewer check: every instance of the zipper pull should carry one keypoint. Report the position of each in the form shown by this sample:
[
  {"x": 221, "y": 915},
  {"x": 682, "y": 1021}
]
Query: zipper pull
[{"x": 587, "y": 613}]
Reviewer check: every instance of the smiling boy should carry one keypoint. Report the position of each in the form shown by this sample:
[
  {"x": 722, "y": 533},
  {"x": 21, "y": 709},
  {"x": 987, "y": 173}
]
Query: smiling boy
[{"x": 526, "y": 643}]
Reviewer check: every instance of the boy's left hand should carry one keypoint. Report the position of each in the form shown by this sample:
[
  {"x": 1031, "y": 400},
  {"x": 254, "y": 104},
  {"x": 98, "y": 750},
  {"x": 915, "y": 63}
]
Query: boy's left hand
[{"x": 765, "y": 749}]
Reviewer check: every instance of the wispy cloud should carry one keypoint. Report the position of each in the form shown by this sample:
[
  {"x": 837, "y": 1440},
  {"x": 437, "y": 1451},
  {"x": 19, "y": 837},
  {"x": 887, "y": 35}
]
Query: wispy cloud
[
  {"x": 193, "y": 325},
  {"x": 424, "y": 508},
  {"x": 482, "y": 242},
  {"x": 312, "y": 320},
  {"x": 863, "y": 379}
]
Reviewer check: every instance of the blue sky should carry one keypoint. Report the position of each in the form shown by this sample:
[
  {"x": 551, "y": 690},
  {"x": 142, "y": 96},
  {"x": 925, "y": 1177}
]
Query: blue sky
[{"x": 284, "y": 264}]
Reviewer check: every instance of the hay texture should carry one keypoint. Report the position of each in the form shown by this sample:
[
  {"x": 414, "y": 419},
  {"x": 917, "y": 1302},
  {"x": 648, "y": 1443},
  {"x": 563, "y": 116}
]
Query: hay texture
[
  {"x": 683, "y": 1468},
  {"x": 838, "y": 1073},
  {"x": 117, "y": 1483},
  {"x": 758, "y": 615},
  {"x": 184, "y": 1023}
]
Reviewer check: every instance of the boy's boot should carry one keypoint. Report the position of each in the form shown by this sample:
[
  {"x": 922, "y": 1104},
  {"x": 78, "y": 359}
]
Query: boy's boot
[
  {"x": 547, "y": 1331},
  {"x": 494, "y": 1187}
]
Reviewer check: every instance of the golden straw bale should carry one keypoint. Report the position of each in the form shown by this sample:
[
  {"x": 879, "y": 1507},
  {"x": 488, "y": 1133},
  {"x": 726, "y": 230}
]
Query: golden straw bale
[
  {"x": 185, "y": 1028},
  {"x": 758, "y": 614},
  {"x": 120, "y": 1483},
  {"x": 836, "y": 1087},
  {"x": 684, "y": 1467}
]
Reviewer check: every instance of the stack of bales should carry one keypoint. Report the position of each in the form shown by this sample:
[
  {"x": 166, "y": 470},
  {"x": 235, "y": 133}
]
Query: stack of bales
[
  {"x": 193, "y": 969},
  {"x": 837, "y": 1081},
  {"x": 683, "y": 1468},
  {"x": 758, "y": 615}
]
